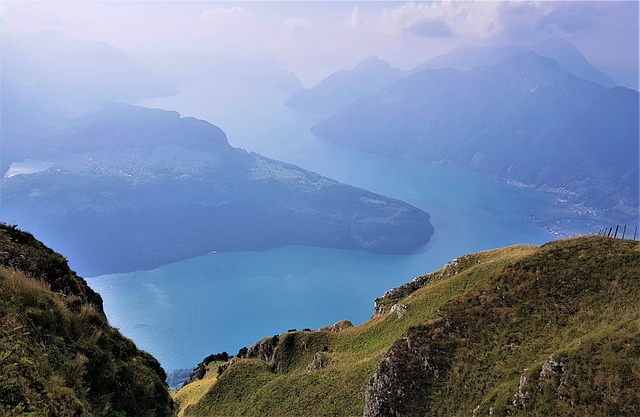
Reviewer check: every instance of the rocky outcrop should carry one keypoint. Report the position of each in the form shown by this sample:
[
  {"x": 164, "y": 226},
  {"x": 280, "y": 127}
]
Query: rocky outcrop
[
  {"x": 320, "y": 361},
  {"x": 552, "y": 367},
  {"x": 280, "y": 351},
  {"x": 337, "y": 327},
  {"x": 522, "y": 394},
  {"x": 265, "y": 349},
  {"x": 399, "y": 309},
  {"x": 383, "y": 304},
  {"x": 401, "y": 385}
]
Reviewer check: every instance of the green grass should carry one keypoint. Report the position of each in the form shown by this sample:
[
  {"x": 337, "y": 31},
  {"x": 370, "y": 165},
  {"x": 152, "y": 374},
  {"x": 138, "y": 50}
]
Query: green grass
[
  {"x": 58, "y": 354},
  {"x": 481, "y": 325},
  {"x": 193, "y": 392},
  {"x": 565, "y": 297}
]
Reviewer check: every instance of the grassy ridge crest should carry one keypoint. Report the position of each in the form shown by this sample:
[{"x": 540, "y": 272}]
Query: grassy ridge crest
[{"x": 531, "y": 331}]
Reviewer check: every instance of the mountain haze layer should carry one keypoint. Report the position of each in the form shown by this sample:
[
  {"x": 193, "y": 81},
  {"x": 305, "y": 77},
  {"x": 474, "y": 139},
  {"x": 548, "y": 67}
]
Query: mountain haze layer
[
  {"x": 466, "y": 57},
  {"x": 121, "y": 187},
  {"x": 341, "y": 88},
  {"x": 133, "y": 188},
  {"x": 373, "y": 74},
  {"x": 51, "y": 77},
  {"x": 524, "y": 119},
  {"x": 55, "y": 62}
]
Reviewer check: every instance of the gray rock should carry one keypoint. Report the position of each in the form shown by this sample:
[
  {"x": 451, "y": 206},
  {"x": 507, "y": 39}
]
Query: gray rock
[
  {"x": 521, "y": 396},
  {"x": 320, "y": 361},
  {"x": 551, "y": 367},
  {"x": 399, "y": 309}
]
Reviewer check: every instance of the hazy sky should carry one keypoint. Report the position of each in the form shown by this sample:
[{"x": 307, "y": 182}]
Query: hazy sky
[{"x": 314, "y": 39}]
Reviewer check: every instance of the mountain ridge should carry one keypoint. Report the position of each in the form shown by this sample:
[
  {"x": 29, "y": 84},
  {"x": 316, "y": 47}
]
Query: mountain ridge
[
  {"x": 521, "y": 330},
  {"x": 56, "y": 61},
  {"x": 172, "y": 188},
  {"x": 342, "y": 87},
  {"x": 506, "y": 120},
  {"x": 468, "y": 56}
]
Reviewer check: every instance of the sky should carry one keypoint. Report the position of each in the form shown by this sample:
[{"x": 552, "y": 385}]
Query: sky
[{"x": 314, "y": 39}]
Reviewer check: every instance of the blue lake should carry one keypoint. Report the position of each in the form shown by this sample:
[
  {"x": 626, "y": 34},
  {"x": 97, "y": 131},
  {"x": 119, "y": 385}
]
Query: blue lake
[{"x": 184, "y": 311}]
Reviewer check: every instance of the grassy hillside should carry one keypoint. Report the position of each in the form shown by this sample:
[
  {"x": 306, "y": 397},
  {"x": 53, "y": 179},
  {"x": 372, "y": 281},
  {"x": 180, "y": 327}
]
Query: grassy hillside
[
  {"x": 58, "y": 354},
  {"x": 193, "y": 392},
  {"x": 530, "y": 331}
]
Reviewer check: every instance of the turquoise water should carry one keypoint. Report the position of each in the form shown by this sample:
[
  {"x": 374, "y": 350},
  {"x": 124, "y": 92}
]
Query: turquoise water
[
  {"x": 221, "y": 302},
  {"x": 184, "y": 311}
]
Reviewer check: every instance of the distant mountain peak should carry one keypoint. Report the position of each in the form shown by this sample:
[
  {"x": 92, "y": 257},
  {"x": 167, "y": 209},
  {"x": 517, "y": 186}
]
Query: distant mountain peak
[
  {"x": 525, "y": 118},
  {"x": 63, "y": 65},
  {"x": 468, "y": 56},
  {"x": 343, "y": 87},
  {"x": 372, "y": 62},
  {"x": 529, "y": 59},
  {"x": 373, "y": 58},
  {"x": 572, "y": 60}
]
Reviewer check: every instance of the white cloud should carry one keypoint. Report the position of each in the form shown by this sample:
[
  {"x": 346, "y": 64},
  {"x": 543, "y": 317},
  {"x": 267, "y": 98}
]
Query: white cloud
[
  {"x": 406, "y": 16},
  {"x": 354, "y": 19},
  {"x": 296, "y": 24},
  {"x": 475, "y": 19},
  {"x": 222, "y": 13},
  {"x": 26, "y": 18},
  {"x": 496, "y": 20},
  {"x": 316, "y": 38}
]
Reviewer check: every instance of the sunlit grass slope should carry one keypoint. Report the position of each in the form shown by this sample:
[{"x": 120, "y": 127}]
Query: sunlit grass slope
[
  {"x": 531, "y": 331},
  {"x": 58, "y": 354},
  {"x": 194, "y": 391}
]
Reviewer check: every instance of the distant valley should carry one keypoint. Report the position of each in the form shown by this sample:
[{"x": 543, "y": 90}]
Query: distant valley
[{"x": 230, "y": 189}]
